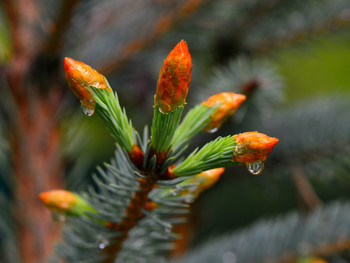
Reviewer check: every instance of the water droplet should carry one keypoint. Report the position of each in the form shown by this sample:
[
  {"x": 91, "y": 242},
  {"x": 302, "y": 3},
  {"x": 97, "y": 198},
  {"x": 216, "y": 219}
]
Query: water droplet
[
  {"x": 256, "y": 167},
  {"x": 87, "y": 111},
  {"x": 162, "y": 111},
  {"x": 238, "y": 149},
  {"x": 102, "y": 242},
  {"x": 229, "y": 257},
  {"x": 58, "y": 217},
  {"x": 212, "y": 130}
]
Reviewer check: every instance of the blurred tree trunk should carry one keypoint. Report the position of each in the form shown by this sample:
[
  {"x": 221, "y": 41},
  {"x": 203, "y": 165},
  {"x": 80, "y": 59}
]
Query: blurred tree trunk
[
  {"x": 37, "y": 160},
  {"x": 33, "y": 79}
]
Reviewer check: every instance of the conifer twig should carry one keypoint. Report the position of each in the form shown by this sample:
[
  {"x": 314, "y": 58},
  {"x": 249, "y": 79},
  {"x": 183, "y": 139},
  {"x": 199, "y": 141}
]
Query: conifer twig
[{"x": 310, "y": 200}]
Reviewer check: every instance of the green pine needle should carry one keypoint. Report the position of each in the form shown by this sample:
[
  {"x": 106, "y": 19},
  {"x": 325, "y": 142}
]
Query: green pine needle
[
  {"x": 193, "y": 123},
  {"x": 217, "y": 153},
  {"x": 114, "y": 117},
  {"x": 163, "y": 128}
]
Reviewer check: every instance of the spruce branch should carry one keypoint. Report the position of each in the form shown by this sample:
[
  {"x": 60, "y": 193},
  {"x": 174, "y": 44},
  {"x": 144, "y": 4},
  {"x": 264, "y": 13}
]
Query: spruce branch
[
  {"x": 141, "y": 191},
  {"x": 245, "y": 148},
  {"x": 324, "y": 232},
  {"x": 94, "y": 91}
]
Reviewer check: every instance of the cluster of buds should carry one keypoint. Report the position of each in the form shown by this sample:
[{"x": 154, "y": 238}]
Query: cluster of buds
[{"x": 172, "y": 88}]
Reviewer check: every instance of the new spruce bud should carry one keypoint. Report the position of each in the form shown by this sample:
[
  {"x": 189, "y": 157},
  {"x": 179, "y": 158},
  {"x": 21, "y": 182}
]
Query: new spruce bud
[
  {"x": 174, "y": 79},
  {"x": 80, "y": 77},
  {"x": 207, "y": 179},
  {"x": 65, "y": 202},
  {"x": 252, "y": 147},
  {"x": 228, "y": 101},
  {"x": 199, "y": 183}
]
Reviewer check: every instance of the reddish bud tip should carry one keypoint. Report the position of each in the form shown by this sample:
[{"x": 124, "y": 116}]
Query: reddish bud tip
[
  {"x": 80, "y": 77},
  {"x": 174, "y": 79},
  {"x": 252, "y": 147},
  {"x": 59, "y": 200},
  {"x": 229, "y": 102}
]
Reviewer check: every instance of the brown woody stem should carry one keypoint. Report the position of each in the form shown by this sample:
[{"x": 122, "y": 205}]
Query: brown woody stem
[
  {"x": 308, "y": 195},
  {"x": 133, "y": 213}
]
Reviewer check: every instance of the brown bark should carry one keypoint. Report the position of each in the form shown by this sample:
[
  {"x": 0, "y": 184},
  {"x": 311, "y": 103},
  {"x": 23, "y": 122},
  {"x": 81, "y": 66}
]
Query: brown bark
[
  {"x": 37, "y": 168},
  {"x": 133, "y": 215},
  {"x": 32, "y": 76}
]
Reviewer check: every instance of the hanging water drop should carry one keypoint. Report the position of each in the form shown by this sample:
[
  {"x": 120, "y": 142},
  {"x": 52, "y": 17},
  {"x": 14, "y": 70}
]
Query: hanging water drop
[
  {"x": 162, "y": 111},
  {"x": 102, "y": 242},
  {"x": 256, "y": 168},
  {"x": 212, "y": 130},
  {"x": 87, "y": 110},
  {"x": 58, "y": 217}
]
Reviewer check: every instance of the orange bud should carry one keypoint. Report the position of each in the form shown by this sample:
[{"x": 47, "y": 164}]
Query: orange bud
[
  {"x": 174, "y": 79},
  {"x": 229, "y": 102},
  {"x": 208, "y": 178},
  {"x": 252, "y": 147},
  {"x": 59, "y": 200},
  {"x": 203, "y": 180},
  {"x": 80, "y": 77}
]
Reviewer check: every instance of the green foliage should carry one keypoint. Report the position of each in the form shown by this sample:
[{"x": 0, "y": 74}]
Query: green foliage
[
  {"x": 283, "y": 238},
  {"x": 193, "y": 123},
  {"x": 164, "y": 127},
  {"x": 114, "y": 117},
  {"x": 137, "y": 193},
  {"x": 218, "y": 153}
]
